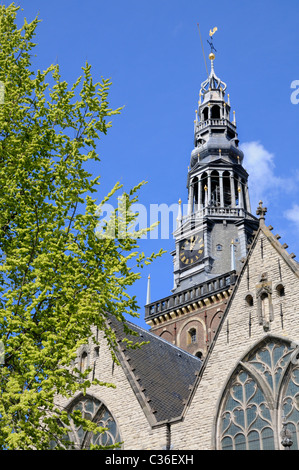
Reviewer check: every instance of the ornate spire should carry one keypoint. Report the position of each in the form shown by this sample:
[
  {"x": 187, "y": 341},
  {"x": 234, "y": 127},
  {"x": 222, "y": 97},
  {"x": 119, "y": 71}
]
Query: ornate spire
[{"x": 212, "y": 82}]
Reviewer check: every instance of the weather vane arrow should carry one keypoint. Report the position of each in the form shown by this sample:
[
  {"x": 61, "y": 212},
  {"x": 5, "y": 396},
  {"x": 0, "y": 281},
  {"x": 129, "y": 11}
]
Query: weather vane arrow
[{"x": 211, "y": 34}]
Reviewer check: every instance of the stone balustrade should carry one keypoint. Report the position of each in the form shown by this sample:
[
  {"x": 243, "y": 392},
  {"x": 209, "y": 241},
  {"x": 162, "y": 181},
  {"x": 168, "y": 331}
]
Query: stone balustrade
[{"x": 193, "y": 294}]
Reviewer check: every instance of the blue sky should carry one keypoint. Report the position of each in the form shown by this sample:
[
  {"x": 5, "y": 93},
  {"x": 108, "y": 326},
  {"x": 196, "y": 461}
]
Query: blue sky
[{"x": 151, "y": 50}]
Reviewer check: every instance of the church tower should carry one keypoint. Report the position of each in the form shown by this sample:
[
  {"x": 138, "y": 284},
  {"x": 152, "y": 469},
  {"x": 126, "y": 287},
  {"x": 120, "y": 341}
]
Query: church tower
[{"x": 212, "y": 237}]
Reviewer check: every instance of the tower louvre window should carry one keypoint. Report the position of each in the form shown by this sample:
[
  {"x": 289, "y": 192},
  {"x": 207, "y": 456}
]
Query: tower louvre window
[
  {"x": 215, "y": 114},
  {"x": 205, "y": 114}
]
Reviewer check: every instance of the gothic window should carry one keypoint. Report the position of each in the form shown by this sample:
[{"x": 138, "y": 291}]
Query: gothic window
[
  {"x": 95, "y": 411},
  {"x": 262, "y": 392},
  {"x": 192, "y": 336}
]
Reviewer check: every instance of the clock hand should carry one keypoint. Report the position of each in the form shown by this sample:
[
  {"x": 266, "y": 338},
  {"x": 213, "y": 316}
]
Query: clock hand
[{"x": 192, "y": 243}]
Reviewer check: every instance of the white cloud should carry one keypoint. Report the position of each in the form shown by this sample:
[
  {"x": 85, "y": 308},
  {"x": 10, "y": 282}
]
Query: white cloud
[
  {"x": 264, "y": 184},
  {"x": 293, "y": 214}
]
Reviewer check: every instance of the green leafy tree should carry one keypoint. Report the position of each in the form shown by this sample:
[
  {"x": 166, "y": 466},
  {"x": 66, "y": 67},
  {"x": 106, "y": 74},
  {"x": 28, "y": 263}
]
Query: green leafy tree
[{"x": 59, "y": 277}]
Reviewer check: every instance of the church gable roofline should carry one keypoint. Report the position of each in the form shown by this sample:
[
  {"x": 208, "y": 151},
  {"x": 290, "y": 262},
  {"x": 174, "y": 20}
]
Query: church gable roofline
[
  {"x": 160, "y": 374},
  {"x": 281, "y": 250}
]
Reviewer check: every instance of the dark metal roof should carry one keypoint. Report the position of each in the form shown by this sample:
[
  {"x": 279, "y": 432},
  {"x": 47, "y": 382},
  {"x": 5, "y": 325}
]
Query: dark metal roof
[{"x": 161, "y": 374}]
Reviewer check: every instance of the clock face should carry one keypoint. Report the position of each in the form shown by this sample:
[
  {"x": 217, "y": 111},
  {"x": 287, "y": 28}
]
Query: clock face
[{"x": 191, "y": 250}]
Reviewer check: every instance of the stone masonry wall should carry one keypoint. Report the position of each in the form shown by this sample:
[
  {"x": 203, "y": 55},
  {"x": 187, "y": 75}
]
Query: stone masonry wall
[
  {"x": 197, "y": 429},
  {"x": 135, "y": 430}
]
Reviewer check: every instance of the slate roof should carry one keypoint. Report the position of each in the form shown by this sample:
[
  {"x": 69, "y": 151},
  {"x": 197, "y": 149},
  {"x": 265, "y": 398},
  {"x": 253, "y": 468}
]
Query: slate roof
[{"x": 161, "y": 374}]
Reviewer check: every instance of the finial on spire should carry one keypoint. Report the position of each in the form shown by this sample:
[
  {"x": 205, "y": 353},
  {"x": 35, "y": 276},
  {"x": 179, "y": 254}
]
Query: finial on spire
[
  {"x": 148, "y": 293},
  {"x": 212, "y": 82},
  {"x": 261, "y": 211},
  {"x": 180, "y": 216},
  {"x": 211, "y": 34}
]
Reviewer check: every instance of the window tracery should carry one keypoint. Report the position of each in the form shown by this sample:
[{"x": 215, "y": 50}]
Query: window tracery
[
  {"x": 95, "y": 411},
  {"x": 262, "y": 391}
]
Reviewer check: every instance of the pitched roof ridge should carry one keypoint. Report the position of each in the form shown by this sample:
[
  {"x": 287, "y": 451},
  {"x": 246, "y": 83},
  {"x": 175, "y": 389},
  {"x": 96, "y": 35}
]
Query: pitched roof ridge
[{"x": 155, "y": 399}]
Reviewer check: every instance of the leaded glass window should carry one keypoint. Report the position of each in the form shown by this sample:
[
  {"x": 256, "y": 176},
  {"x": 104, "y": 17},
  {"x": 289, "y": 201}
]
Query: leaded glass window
[
  {"x": 95, "y": 411},
  {"x": 262, "y": 391}
]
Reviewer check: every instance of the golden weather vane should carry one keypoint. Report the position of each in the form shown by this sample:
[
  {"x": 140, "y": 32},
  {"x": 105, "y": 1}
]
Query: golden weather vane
[
  {"x": 213, "y": 31},
  {"x": 211, "y": 34}
]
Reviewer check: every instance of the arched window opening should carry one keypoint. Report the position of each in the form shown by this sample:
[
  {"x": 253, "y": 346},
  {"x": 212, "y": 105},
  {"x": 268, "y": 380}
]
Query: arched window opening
[
  {"x": 215, "y": 112},
  {"x": 93, "y": 410},
  {"x": 249, "y": 300},
  {"x": 280, "y": 290},
  {"x": 205, "y": 114},
  {"x": 195, "y": 194},
  {"x": 226, "y": 189},
  {"x": 215, "y": 189},
  {"x": 262, "y": 390},
  {"x": 192, "y": 336},
  {"x": 204, "y": 192},
  {"x": 199, "y": 355}
]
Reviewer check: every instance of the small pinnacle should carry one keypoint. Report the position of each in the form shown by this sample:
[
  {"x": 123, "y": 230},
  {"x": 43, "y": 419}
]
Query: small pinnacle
[{"x": 261, "y": 211}]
